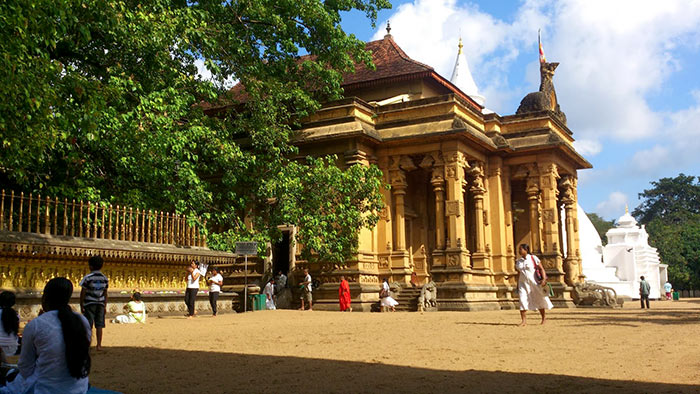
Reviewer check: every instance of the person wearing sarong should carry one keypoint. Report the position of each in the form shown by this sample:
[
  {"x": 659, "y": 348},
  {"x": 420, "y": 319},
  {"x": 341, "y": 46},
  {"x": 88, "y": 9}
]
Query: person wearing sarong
[
  {"x": 135, "y": 311},
  {"x": 344, "y": 295},
  {"x": 269, "y": 293},
  {"x": 387, "y": 301},
  {"x": 531, "y": 294}
]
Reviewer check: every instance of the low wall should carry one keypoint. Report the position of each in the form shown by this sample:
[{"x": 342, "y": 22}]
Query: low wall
[{"x": 172, "y": 304}]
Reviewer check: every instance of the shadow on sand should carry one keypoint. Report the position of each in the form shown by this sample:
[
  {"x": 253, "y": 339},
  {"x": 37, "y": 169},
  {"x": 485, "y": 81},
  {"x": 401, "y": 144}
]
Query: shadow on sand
[{"x": 178, "y": 371}]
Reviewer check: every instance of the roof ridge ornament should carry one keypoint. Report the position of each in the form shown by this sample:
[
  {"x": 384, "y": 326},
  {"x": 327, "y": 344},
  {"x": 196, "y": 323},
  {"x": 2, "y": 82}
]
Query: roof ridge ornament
[{"x": 388, "y": 28}]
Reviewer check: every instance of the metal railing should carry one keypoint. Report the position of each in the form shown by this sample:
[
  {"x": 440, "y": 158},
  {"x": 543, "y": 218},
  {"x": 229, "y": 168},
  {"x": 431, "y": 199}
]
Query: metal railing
[{"x": 50, "y": 216}]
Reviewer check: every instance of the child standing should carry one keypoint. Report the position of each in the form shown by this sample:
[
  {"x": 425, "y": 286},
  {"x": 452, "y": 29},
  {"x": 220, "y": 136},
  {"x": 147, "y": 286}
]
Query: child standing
[{"x": 93, "y": 297}]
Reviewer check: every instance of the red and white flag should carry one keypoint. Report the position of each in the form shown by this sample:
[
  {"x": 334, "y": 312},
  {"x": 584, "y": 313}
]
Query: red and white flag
[{"x": 539, "y": 41}]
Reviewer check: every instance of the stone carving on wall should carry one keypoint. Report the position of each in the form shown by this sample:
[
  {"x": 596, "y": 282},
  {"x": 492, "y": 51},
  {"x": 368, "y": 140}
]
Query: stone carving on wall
[{"x": 454, "y": 207}]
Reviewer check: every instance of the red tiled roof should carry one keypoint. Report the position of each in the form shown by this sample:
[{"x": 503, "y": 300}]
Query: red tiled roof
[{"x": 390, "y": 61}]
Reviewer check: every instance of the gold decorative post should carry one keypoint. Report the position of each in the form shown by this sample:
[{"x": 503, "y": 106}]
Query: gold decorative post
[
  {"x": 123, "y": 226},
  {"x": 102, "y": 227},
  {"x": 160, "y": 227},
  {"x": 65, "y": 216},
  {"x": 55, "y": 216},
  {"x": 87, "y": 220},
  {"x": 204, "y": 238},
  {"x": 29, "y": 214},
  {"x": 110, "y": 233},
  {"x": 130, "y": 236},
  {"x": 2, "y": 208},
  {"x": 148, "y": 237},
  {"x": 38, "y": 214},
  {"x": 47, "y": 225},
  {"x": 12, "y": 204},
  {"x": 72, "y": 220},
  {"x": 117, "y": 224},
  {"x": 94, "y": 222}
]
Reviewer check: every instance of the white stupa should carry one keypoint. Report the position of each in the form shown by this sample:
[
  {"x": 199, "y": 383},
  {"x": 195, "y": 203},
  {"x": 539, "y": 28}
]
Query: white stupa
[
  {"x": 462, "y": 78},
  {"x": 625, "y": 258}
]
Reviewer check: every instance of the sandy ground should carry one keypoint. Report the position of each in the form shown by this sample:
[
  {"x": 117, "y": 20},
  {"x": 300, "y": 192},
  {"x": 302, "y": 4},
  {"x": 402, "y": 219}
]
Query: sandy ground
[{"x": 578, "y": 350}]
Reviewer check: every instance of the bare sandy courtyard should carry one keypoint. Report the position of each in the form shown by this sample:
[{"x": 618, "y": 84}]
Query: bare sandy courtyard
[{"x": 578, "y": 350}]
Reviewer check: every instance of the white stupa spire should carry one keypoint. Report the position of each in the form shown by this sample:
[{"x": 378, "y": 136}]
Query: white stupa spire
[{"x": 462, "y": 77}]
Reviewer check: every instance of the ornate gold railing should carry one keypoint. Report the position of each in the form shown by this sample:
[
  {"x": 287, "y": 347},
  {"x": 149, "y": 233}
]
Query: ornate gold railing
[{"x": 50, "y": 216}]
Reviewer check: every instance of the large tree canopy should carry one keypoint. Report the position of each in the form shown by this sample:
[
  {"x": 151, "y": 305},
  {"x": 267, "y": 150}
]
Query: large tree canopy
[
  {"x": 671, "y": 212},
  {"x": 103, "y": 101}
]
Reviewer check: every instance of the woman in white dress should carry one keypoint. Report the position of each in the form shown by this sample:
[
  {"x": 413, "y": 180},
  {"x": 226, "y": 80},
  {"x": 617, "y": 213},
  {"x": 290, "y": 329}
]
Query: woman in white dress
[
  {"x": 531, "y": 294},
  {"x": 385, "y": 296}
]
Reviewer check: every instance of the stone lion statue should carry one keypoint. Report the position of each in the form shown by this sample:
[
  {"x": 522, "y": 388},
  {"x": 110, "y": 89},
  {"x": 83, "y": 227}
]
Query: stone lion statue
[
  {"x": 428, "y": 298},
  {"x": 591, "y": 294}
]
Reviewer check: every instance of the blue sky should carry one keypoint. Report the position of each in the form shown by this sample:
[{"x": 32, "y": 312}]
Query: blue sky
[{"x": 627, "y": 79}]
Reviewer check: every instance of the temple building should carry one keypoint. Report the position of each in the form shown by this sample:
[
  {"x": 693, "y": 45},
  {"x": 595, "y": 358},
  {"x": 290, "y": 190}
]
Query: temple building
[{"x": 467, "y": 185}]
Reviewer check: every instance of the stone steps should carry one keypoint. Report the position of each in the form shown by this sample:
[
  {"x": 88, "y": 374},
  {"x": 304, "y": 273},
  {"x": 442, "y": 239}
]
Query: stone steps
[{"x": 408, "y": 299}]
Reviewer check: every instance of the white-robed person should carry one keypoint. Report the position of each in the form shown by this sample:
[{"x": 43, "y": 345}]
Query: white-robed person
[
  {"x": 386, "y": 300},
  {"x": 531, "y": 294},
  {"x": 269, "y": 293}
]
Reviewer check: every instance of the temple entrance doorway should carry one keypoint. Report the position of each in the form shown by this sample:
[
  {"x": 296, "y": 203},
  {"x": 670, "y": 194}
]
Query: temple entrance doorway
[{"x": 281, "y": 252}]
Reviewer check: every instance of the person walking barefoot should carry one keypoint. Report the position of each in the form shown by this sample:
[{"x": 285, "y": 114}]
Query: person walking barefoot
[{"x": 531, "y": 294}]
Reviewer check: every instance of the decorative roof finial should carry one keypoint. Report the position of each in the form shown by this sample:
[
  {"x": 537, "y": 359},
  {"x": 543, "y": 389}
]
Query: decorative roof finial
[
  {"x": 627, "y": 209},
  {"x": 460, "y": 46},
  {"x": 388, "y": 28}
]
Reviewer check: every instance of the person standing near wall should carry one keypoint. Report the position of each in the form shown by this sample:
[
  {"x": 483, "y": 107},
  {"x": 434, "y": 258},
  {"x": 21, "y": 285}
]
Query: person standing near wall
[
  {"x": 93, "y": 297},
  {"x": 192, "y": 288},
  {"x": 644, "y": 289},
  {"x": 344, "y": 295},
  {"x": 215, "y": 283},
  {"x": 668, "y": 289}
]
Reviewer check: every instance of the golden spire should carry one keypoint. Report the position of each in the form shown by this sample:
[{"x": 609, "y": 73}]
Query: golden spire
[
  {"x": 627, "y": 209},
  {"x": 460, "y": 46}
]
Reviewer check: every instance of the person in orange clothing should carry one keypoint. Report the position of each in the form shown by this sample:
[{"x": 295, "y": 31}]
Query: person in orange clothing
[{"x": 344, "y": 295}]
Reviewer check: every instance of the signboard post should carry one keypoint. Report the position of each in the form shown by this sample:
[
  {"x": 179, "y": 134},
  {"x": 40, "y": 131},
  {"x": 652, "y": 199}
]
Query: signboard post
[{"x": 245, "y": 249}]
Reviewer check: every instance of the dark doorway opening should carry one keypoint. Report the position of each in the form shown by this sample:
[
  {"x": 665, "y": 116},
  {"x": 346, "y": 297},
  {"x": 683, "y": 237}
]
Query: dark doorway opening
[{"x": 280, "y": 255}]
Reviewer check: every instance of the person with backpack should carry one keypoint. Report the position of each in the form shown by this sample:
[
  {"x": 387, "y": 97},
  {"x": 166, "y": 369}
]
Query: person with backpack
[{"x": 531, "y": 279}]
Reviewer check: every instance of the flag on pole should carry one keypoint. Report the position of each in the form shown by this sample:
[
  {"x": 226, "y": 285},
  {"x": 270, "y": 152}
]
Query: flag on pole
[{"x": 539, "y": 41}]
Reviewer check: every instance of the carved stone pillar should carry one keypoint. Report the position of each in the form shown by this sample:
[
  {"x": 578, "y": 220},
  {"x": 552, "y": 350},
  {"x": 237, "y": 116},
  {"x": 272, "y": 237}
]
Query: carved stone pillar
[
  {"x": 569, "y": 200},
  {"x": 478, "y": 190},
  {"x": 533, "y": 196},
  {"x": 398, "y": 190},
  {"x": 551, "y": 254},
  {"x": 458, "y": 255},
  {"x": 438, "y": 183}
]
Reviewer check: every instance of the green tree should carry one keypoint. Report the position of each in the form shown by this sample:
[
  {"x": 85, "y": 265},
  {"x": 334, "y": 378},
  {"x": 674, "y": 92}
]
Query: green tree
[
  {"x": 671, "y": 212},
  {"x": 103, "y": 100},
  {"x": 601, "y": 225}
]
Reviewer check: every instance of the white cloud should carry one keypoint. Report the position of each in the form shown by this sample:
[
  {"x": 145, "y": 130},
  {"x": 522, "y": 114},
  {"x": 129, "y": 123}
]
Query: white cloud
[
  {"x": 614, "y": 206},
  {"x": 588, "y": 147},
  {"x": 202, "y": 70}
]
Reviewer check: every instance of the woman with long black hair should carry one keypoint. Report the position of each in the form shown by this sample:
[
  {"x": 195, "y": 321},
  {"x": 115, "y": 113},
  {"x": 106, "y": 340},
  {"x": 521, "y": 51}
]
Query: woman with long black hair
[
  {"x": 9, "y": 325},
  {"x": 55, "y": 346}
]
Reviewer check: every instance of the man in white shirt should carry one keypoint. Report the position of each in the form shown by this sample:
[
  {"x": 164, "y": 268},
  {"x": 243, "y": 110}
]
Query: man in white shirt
[
  {"x": 306, "y": 290},
  {"x": 269, "y": 293},
  {"x": 215, "y": 283}
]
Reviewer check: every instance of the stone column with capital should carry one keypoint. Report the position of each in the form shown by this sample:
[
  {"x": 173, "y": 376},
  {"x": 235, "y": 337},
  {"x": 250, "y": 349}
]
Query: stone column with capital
[
  {"x": 571, "y": 262},
  {"x": 533, "y": 196},
  {"x": 551, "y": 255},
  {"x": 438, "y": 182},
  {"x": 398, "y": 190},
  {"x": 456, "y": 251},
  {"x": 479, "y": 257}
]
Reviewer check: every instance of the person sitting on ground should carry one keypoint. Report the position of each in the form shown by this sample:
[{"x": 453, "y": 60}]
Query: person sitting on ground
[
  {"x": 135, "y": 311},
  {"x": 386, "y": 300},
  {"x": 55, "y": 355},
  {"x": 9, "y": 326},
  {"x": 269, "y": 293}
]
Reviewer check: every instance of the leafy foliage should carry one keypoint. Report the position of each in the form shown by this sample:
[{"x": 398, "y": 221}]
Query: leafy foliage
[
  {"x": 671, "y": 212},
  {"x": 601, "y": 225},
  {"x": 103, "y": 101}
]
